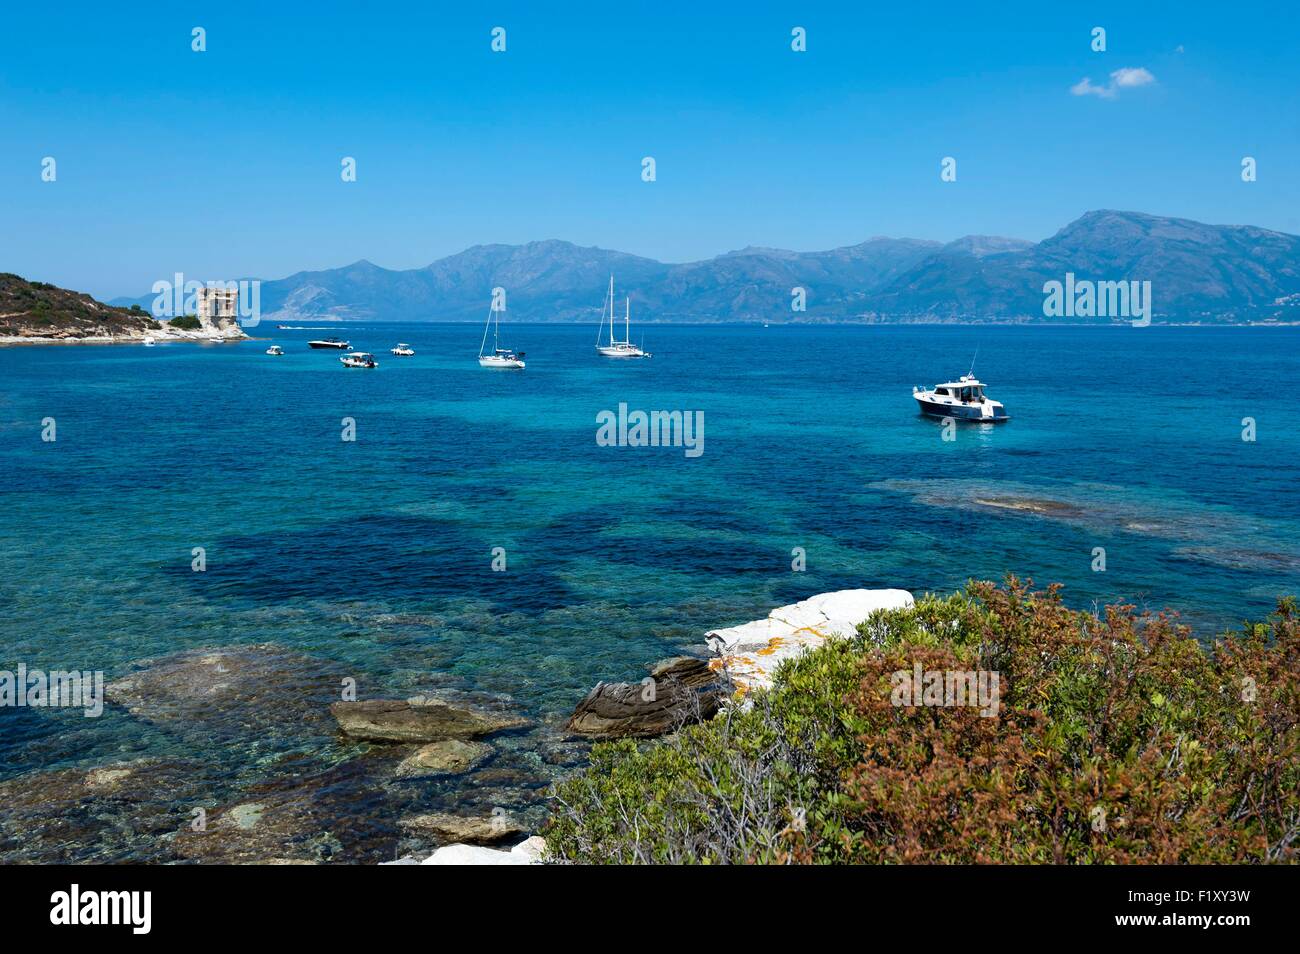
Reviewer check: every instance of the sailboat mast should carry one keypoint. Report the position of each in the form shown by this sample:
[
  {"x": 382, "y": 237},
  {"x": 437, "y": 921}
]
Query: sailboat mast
[
  {"x": 611, "y": 311},
  {"x": 627, "y": 320}
]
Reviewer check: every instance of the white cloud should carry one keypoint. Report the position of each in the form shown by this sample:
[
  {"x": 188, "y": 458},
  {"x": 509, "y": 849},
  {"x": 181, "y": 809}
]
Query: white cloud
[
  {"x": 1127, "y": 77},
  {"x": 1132, "y": 76},
  {"x": 1085, "y": 88}
]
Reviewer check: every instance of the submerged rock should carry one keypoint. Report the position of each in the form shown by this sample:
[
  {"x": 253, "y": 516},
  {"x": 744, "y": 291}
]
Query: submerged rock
[
  {"x": 420, "y": 719},
  {"x": 339, "y": 813},
  {"x": 231, "y": 691},
  {"x": 483, "y": 829},
  {"x": 565, "y": 754},
  {"x": 679, "y": 691},
  {"x": 449, "y": 757},
  {"x": 1037, "y": 505},
  {"x": 120, "y": 812}
]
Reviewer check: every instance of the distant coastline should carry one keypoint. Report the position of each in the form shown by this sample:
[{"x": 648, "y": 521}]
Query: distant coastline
[
  {"x": 161, "y": 336},
  {"x": 1195, "y": 273},
  {"x": 33, "y": 312}
]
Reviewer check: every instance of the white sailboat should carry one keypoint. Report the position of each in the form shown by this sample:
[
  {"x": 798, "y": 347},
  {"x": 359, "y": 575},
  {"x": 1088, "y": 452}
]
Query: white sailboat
[
  {"x": 502, "y": 358},
  {"x": 617, "y": 349}
]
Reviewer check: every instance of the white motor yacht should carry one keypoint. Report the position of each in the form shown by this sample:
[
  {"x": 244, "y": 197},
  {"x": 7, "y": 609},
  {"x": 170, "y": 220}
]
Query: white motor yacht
[{"x": 962, "y": 400}]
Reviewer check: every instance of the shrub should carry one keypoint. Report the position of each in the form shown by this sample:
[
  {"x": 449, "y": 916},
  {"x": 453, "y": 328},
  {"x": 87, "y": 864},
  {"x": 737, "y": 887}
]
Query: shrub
[
  {"x": 1118, "y": 738},
  {"x": 186, "y": 322}
]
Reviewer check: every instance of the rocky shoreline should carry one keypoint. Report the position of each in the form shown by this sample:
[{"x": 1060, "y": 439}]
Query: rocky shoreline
[
  {"x": 133, "y": 337},
  {"x": 684, "y": 689},
  {"x": 270, "y": 766}
]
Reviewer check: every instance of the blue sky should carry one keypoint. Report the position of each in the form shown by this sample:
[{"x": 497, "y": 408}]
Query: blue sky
[{"x": 226, "y": 163}]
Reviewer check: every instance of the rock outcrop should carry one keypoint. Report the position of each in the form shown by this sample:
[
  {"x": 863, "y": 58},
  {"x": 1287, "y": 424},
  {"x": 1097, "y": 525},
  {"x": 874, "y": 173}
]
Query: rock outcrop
[
  {"x": 38, "y": 313},
  {"x": 679, "y": 691},
  {"x": 419, "y": 719},
  {"x": 749, "y": 654}
]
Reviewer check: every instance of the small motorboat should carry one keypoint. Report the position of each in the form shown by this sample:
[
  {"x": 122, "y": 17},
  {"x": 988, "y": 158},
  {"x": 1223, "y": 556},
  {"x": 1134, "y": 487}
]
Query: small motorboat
[
  {"x": 330, "y": 343},
  {"x": 962, "y": 400},
  {"x": 148, "y": 341},
  {"x": 275, "y": 349},
  {"x": 502, "y": 358},
  {"x": 403, "y": 350},
  {"x": 359, "y": 359}
]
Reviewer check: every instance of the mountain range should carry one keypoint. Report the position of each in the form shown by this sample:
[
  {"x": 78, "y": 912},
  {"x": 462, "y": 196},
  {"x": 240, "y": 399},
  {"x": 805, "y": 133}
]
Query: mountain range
[{"x": 1198, "y": 273}]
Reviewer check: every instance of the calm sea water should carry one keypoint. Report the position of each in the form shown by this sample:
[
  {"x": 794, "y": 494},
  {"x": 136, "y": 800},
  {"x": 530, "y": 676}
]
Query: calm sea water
[{"x": 375, "y": 555}]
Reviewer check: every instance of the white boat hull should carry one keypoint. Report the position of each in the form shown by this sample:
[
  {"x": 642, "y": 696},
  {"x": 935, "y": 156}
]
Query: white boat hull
[
  {"x": 502, "y": 364},
  {"x": 987, "y": 412},
  {"x": 621, "y": 352}
]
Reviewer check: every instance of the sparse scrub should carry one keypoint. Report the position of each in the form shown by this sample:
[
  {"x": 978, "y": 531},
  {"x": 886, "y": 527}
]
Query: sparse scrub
[{"x": 1119, "y": 739}]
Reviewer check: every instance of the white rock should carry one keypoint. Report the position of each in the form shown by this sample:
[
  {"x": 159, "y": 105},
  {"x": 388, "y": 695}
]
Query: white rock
[
  {"x": 750, "y": 653},
  {"x": 473, "y": 855},
  {"x": 530, "y": 848},
  {"x": 528, "y": 852},
  {"x": 747, "y": 636}
]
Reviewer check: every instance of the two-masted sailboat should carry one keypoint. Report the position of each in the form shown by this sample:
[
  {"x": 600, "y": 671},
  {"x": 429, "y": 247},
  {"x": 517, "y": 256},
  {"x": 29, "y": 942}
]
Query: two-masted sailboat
[
  {"x": 615, "y": 348},
  {"x": 499, "y": 357}
]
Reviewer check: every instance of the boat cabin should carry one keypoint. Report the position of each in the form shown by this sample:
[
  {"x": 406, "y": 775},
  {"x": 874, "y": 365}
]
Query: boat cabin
[{"x": 967, "y": 390}]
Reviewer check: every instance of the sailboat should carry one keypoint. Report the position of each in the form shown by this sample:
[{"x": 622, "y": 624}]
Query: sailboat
[
  {"x": 617, "y": 349},
  {"x": 499, "y": 357}
]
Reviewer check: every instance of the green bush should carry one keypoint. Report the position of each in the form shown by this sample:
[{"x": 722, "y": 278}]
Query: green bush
[
  {"x": 1117, "y": 739},
  {"x": 186, "y": 322}
]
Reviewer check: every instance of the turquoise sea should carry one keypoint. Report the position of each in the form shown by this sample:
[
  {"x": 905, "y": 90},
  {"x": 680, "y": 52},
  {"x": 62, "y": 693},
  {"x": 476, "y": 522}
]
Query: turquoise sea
[{"x": 372, "y": 559}]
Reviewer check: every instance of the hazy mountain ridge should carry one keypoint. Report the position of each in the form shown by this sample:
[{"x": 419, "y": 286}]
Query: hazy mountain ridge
[{"x": 1198, "y": 272}]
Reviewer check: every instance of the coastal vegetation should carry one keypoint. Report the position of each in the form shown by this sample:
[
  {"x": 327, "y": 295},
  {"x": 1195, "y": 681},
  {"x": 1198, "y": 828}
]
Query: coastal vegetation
[
  {"x": 39, "y": 310},
  {"x": 1116, "y": 738},
  {"x": 185, "y": 323}
]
